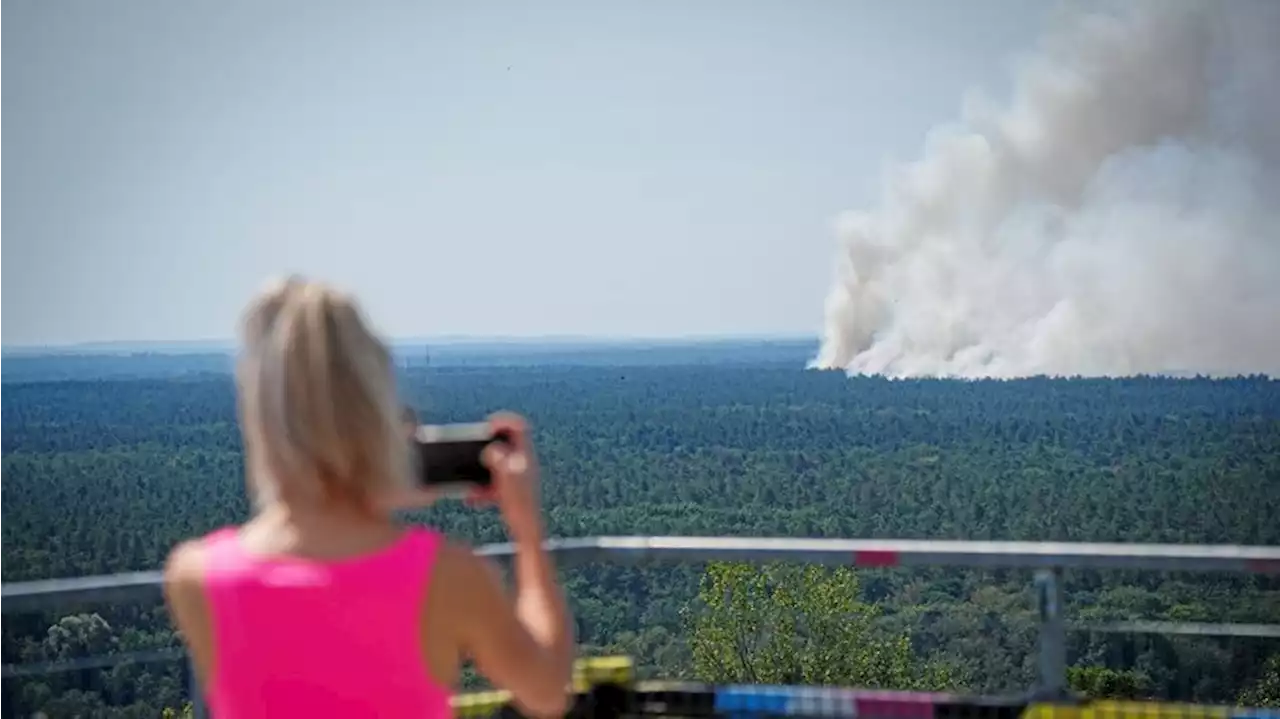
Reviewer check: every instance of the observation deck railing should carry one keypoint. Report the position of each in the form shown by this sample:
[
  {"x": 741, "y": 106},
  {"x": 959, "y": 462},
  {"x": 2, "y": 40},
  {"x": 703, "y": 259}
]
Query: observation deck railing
[{"x": 1049, "y": 559}]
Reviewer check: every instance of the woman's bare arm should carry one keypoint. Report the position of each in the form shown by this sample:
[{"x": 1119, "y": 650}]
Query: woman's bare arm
[
  {"x": 185, "y": 598},
  {"x": 525, "y": 646}
]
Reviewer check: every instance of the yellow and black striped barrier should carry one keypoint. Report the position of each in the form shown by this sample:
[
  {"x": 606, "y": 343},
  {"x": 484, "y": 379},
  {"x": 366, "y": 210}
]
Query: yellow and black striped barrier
[{"x": 1108, "y": 709}]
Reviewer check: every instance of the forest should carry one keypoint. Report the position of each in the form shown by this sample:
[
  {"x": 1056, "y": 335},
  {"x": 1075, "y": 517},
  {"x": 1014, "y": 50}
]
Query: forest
[{"x": 106, "y": 468}]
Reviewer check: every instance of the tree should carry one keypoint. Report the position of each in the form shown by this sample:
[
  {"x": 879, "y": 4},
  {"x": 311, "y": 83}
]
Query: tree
[
  {"x": 1266, "y": 692},
  {"x": 797, "y": 625},
  {"x": 1104, "y": 683},
  {"x": 78, "y": 635},
  {"x": 186, "y": 712}
]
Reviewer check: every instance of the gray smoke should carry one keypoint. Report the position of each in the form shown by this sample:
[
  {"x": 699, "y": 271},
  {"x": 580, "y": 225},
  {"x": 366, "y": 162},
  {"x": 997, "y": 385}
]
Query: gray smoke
[{"x": 1120, "y": 215}]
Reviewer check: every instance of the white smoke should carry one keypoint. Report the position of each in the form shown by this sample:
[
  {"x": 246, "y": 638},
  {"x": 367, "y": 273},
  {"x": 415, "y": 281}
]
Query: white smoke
[{"x": 1120, "y": 216}]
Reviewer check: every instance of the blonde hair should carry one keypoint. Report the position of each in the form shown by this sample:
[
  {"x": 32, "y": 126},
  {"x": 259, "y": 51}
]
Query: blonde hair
[{"x": 317, "y": 399}]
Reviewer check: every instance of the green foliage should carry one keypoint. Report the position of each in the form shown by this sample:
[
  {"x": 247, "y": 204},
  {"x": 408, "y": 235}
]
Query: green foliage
[
  {"x": 1266, "y": 691},
  {"x": 783, "y": 624},
  {"x": 186, "y": 712},
  {"x": 106, "y": 475},
  {"x": 1104, "y": 683}
]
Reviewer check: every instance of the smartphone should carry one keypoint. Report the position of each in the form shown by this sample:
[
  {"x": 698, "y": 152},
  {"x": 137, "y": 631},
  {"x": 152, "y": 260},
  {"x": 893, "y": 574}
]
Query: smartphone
[{"x": 447, "y": 456}]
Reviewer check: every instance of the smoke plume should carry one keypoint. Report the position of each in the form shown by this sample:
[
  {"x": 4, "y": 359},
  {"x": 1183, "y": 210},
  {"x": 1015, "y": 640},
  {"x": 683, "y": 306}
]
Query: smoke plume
[{"x": 1120, "y": 215}]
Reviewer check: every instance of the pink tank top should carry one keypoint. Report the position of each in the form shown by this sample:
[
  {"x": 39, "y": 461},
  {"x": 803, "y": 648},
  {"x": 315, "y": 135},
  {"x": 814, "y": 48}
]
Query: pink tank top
[{"x": 307, "y": 638}]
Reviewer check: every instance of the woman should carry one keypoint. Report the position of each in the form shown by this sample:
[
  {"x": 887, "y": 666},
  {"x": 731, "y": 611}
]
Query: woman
[{"x": 322, "y": 604}]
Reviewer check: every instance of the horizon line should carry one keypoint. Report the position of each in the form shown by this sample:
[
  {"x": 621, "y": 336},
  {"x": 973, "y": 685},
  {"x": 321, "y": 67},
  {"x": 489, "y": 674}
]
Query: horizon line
[{"x": 227, "y": 344}]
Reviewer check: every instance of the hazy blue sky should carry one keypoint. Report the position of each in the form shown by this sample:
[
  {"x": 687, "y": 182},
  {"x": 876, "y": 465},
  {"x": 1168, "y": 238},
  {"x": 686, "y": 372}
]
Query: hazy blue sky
[{"x": 654, "y": 168}]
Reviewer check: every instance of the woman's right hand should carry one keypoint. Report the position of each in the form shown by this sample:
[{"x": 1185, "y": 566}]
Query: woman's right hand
[{"x": 514, "y": 468}]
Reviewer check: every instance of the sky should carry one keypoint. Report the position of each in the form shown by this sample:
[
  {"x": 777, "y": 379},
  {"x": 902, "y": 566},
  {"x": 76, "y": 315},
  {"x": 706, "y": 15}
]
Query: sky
[{"x": 503, "y": 168}]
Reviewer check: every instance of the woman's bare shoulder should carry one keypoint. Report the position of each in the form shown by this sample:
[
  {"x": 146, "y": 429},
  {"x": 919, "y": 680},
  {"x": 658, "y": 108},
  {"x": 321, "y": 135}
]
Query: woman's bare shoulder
[
  {"x": 458, "y": 561},
  {"x": 468, "y": 584},
  {"x": 184, "y": 581},
  {"x": 185, "y": 562}
]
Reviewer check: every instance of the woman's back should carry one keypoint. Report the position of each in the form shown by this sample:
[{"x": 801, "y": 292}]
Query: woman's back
[
  {"x": 322, "y": 604},
  {"x": 306, "y": 637}
]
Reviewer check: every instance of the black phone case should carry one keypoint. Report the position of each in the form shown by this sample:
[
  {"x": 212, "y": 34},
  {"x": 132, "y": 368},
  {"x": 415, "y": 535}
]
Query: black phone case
[{"x": 449, "y": 455}]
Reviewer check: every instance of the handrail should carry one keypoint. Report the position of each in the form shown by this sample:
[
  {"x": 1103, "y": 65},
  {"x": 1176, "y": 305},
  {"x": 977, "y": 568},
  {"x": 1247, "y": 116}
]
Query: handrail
[
  {"x": 869, "y": 553},
  {"x": 12, "y": 671},
  {"x": 1181, "y": 629}
]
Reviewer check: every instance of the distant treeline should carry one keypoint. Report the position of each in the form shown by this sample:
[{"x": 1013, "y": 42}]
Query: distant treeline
[{"x": 70, "y": 364}]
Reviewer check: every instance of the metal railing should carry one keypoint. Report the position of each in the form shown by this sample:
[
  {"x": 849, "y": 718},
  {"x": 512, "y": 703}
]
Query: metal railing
[{"x": 1049, "y": 559}]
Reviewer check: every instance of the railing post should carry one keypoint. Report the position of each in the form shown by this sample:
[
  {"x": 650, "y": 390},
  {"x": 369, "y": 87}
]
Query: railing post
[{"x": 1053, "y": 635}]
